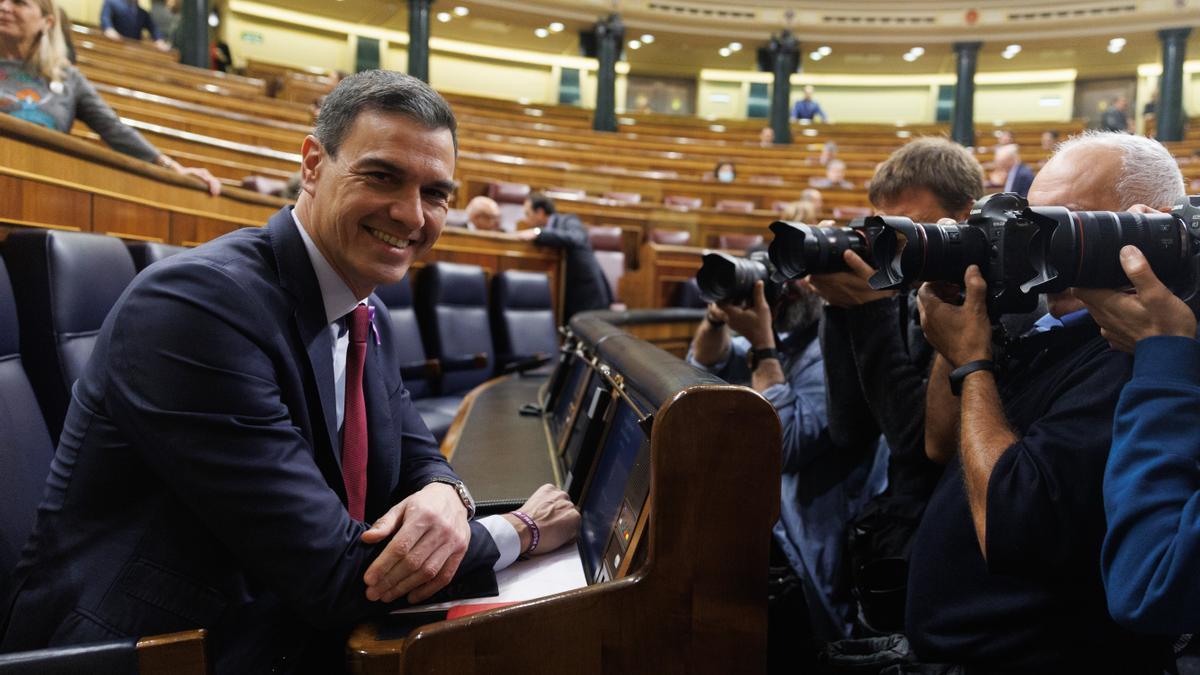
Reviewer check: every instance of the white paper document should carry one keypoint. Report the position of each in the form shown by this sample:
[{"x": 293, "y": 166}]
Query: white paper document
[{"x": 524, "y": 580}]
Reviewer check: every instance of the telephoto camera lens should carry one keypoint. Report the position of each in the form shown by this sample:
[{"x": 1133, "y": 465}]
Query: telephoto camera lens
[
  {"x": 1083, "y": 248},
  {"x": 906, "y": 252},
  {"x": 798, "y": 249},
  {"x": 727, "y": 278}
]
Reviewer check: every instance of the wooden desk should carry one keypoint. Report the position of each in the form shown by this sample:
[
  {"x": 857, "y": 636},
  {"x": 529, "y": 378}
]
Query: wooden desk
[{"x": 694, "y": 605}]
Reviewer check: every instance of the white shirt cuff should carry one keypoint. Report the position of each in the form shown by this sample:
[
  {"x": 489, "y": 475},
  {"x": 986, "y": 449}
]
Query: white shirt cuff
[{"x": 507, "y": 540}]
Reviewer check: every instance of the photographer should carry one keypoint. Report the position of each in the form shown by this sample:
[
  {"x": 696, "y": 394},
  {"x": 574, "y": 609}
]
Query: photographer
[
  {"x": 1011, "y": 537},
  {"x": 1152, "y": 549},
  {"x": 877, "y": 359},
  {"x": 823, "y": 484}
]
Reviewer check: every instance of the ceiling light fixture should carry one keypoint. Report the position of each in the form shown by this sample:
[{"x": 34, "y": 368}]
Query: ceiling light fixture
[
  {"x": 910, "y": 57},
  {"x": 917, "y": 52},
  {"x": 647, "y": 39},
  {"x": 635, "y": 44},
  {"x": 461, "y": 11},
  {"x": 815, "y": 56},
  {"x": 1115, "y": 45},
  {"x": 556, "y": 27},
  {"x": 1011, "y": 51},
  {"x": 825, "y": 50},
  {"x": 724, "y": 51},
  {"x": 735, "y": 46},
  {"x": 541, "y": 32},
  {"x": 444, "y": 17}
]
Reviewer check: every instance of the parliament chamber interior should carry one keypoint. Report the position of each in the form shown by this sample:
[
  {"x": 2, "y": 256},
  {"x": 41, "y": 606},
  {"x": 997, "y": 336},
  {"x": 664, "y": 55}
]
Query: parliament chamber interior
[{"x": 689, "y": 265}]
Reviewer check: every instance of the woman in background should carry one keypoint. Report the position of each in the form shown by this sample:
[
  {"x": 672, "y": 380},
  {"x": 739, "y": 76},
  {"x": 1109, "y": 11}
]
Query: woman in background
[{"x": 38, "y": 84}]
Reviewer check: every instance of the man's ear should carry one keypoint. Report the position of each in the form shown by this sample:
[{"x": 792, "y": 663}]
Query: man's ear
[{"x": 312, "y": 161}]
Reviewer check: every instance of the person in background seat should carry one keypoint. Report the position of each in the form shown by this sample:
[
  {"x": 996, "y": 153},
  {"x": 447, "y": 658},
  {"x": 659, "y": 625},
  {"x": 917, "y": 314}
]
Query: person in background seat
[{"x": 38, "y": 84}]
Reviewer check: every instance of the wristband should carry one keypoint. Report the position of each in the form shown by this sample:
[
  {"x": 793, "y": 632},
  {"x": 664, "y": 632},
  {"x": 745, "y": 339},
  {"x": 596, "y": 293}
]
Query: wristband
[
  {"x": 713, "y": 322},
  {"x": 960, "y": 373},
  {"x": 534, "y": 534}
]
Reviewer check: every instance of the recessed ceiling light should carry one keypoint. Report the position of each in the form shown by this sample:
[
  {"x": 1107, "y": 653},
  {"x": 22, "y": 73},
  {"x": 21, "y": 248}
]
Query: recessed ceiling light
[
  {"x": 825, "y": 50},
  {"x": 1115, "y": 45},
  {"x": 724, "y": 51},
  {"x": 461, "y": 11},
  {"x": 444, "y": 16},
  {"x": 917, "y": 51},
  {"x": 635, "y": 44},
  {"x": 541, "y": 32},
  {"x": 735, "y": 46},
  {"x": 556, "y": 27},
  {"x": 910, "y": 57},
  {"x": 816, "y": 56},
  {"x": 647, "y": 39}
]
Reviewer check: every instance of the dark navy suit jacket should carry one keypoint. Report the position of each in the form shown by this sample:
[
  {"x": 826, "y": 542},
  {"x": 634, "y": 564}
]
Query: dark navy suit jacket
[
  {"x": 1023, "y": 180},
  {"x": 197, "y": 481}
]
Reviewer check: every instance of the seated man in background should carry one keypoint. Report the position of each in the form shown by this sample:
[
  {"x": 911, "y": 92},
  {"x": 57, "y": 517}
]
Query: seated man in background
[
  {"x": 1005, "y": 567},
  {"x": 877, "y": 360},
  {"x": 1011, "y": 174},
  {"x": 124, "y": 18},
  {"x": 835, "y": 177},
  {"x": 586, "y": 286},
  {"x": 240, "y": 454},
  {"x": 1152, "y": 548},
  {"x": 824, "y": 484},
  {"x": 483, "y": 213}
]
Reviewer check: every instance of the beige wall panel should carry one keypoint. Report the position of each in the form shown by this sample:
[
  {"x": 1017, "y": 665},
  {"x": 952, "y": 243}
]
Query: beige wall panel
[
  {"x": 286, "y": 43},
  {"x": 504, "y": 80},
  {"x": 1024, "y": 102}
]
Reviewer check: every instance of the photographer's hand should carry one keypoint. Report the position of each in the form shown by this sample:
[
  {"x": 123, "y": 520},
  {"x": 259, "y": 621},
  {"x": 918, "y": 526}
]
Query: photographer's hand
[
  {"x": 1125, "y": 318},
  {"x": 961, "y": 333},
  {"x": 753, "y": 322},
  {"x": 847, "y": 289}
]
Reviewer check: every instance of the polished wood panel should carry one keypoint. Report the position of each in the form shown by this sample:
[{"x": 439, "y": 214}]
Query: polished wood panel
[
  {"x": 130, "y": 220},
  {"x": 695, "y": 605},
  {"x": 173, "y": 654}
]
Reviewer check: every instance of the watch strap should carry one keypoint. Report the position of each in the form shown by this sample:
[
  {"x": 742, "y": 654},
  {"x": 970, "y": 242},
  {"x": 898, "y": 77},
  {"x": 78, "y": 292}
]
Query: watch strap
[
  {"x": 463, "y": 493},
  {"x": 960, "y": 373},
  {"x": 757, "y": 356}
]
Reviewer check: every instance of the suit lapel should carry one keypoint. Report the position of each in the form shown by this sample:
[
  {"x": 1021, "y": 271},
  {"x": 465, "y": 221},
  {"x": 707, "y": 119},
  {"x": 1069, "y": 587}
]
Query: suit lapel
[{"x": 312, "y": 330}]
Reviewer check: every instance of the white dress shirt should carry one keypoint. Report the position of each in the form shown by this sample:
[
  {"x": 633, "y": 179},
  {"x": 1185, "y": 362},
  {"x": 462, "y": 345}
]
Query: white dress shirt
[{"x": 339, "y": 301}]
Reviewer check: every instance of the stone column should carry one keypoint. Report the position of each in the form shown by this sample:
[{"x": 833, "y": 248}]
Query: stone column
[
  {"x": 418, "y": 38},
  {"x": 193, "y": 34},
  {"x": 962, "y": 130},
  {"x": 610, "y": 34},
  {"x": 785, "y": 58},
  {"x": 1170, "y": 88}
]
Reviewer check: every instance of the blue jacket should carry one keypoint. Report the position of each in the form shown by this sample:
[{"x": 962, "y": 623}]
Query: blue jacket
[
  {"x": 128, "y": 19},
  {"x": 823, "y": 485},
  {"x": 1151, "y": 555},
  {"x": 197, "y": 482}
]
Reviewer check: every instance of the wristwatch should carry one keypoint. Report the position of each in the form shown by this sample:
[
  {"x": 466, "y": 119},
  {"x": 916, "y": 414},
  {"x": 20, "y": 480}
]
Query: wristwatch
[
  {"x": 463, "y": 493},
  {"x": 757, "y": 356}
]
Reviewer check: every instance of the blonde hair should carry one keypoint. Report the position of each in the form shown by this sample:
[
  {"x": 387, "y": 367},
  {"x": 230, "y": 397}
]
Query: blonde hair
[{"x": 49, "y": 56}]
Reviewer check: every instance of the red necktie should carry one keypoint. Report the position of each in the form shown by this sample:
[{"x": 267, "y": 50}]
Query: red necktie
[{"x": 354, "y": 425}]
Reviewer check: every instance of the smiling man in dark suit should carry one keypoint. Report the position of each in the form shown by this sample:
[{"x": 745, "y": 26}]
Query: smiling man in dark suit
[{"x": 242, "y": 423}]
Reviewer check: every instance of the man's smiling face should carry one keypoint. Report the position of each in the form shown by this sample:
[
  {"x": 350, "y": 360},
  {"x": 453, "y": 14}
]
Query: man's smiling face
[{"x": 381, "y": 203}]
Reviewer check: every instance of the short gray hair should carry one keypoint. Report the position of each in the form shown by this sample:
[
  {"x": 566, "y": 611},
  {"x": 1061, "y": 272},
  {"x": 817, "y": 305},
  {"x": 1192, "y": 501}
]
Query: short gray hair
[
  {"x": 1149, "y": 174},
  {"x": 382, "y": 91}
]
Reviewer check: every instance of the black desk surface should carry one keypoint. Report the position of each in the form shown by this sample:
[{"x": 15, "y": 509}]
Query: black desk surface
[{"x": 501, "y": 454}]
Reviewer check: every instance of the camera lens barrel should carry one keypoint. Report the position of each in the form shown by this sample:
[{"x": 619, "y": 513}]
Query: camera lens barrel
[
  {"x": 727, "y": 278},
  {"x": 1084, "y": 247},
  {"x": 798, "y": 249}
]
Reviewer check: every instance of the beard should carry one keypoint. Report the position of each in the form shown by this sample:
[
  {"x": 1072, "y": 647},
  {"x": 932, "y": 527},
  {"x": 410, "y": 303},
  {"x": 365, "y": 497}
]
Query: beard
[{"x": 799, "y": 310}]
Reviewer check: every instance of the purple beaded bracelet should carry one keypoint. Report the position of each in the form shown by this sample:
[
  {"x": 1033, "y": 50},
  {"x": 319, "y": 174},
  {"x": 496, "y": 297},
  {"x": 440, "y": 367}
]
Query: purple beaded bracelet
[{"x": 534, "y": 534}]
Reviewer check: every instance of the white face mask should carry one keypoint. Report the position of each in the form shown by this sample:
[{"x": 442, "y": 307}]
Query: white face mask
[{"x": 725, "y": 176}]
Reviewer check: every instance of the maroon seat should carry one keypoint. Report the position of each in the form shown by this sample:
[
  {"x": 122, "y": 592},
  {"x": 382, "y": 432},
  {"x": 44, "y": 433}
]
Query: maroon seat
[
  {"x": 739, "y": 242},
  {"x": 683, "y": 201},
  {"x": 625, "y": 197},
  {"x": 508, "y": 193},
  {"x": 606, "y": 243},
  {"x": 736, "y": 206},
  {"x": 672, "y": 237}
]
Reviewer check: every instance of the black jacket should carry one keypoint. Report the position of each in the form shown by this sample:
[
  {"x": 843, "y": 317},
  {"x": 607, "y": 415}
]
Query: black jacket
[{"x": 586, "y": 286}]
